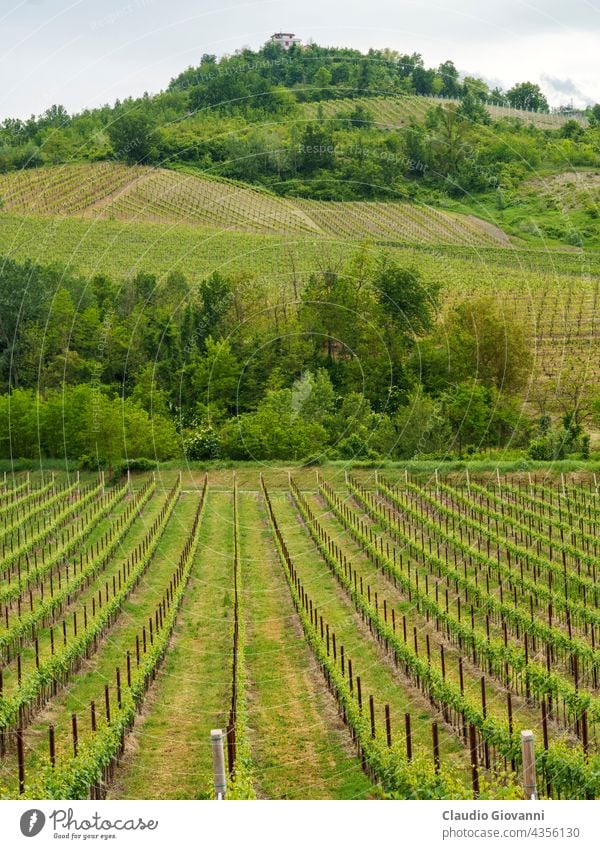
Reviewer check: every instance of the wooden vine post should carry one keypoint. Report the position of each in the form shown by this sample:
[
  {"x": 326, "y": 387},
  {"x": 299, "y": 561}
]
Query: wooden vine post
[
  {"x": 220, "y": 780},
  {"x": 529, "y": 774}
]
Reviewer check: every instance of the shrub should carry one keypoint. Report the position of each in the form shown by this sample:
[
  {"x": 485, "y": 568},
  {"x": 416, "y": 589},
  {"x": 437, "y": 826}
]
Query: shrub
[{"x": 202, "y": 444}]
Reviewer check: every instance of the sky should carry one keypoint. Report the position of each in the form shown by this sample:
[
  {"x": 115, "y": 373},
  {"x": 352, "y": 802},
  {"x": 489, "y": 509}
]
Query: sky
[{"x": 83, "y": 53}]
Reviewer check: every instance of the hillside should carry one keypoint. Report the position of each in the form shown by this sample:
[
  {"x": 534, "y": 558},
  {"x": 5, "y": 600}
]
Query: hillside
[
  {"x": 144, "y": 194},
  {"x": 299, "y": 434},
  {"x": 116, "y": 219},
  {"x": 401, "y": 110},
  {"x": 543, "y": 288}
]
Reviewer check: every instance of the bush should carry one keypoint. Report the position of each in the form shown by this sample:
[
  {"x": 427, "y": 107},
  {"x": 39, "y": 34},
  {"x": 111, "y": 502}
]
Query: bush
[
  {"x": 313, "y": 460},
  {"x": 202, "y": 444},
  {"x": 89, "y": 463},
  {"x": 575, "y": 238},
  {"x": 355, "y": 446},
  {"x": 559, "y": 443}
]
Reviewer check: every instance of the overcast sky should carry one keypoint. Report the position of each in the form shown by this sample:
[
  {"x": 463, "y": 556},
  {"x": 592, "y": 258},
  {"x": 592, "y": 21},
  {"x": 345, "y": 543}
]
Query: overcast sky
[{"x": 88, "y": 52}]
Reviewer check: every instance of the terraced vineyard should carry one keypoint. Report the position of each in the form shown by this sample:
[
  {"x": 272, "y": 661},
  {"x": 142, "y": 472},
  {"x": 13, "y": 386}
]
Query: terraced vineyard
[
  {"x": 65, "y": 189},
  {"x": 352, "y": 637},
  {"x": 400, "y": 111},
  {"x": 137, "y": 194},
  {"x": 165, "y": 227}
]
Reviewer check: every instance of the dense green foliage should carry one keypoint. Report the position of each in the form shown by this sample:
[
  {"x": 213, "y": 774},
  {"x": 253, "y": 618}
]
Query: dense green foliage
[{"x": 356, "y": 368}]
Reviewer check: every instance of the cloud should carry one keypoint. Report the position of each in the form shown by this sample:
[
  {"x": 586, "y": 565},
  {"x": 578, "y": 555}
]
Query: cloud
[
  {"x": 522, "y": 17},
  {"x": 566, "y": 87}
]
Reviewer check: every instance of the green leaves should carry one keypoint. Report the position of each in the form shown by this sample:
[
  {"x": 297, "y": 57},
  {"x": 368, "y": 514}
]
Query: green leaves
[{"x": 72, "y": 778}]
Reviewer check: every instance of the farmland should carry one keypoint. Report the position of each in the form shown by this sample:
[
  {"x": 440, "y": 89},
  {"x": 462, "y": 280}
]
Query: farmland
[
  {"x": 394, "y": 112},
  {"x": 356, "y": 634},
  {"x": 300, "y": 418},
  {"x": 137, "y": 194},
  {"x": 110, "y": 218}
]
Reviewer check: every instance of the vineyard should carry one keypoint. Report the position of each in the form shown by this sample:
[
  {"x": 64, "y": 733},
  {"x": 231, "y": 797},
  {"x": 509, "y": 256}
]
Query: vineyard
[
  {"x": 401, "y": 111},
  {"x": 354, "y": 634},
  {"x": 137, "y": 194},
  {"x": 116, "y": 220}
]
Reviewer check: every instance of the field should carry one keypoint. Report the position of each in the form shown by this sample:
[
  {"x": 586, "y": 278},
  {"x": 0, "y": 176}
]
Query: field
[
  {"x": 355, "y": 634},
  {"x": 400, "y": 111},
  {"x": 556, "y": 293},
  {"x": 138, "y": 194}
]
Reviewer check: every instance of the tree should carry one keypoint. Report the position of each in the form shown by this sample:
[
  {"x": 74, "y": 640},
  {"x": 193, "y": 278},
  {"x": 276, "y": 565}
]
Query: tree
[
  {"x": 273, "y": 432},
  {"x": 408, "y": 299},
  {"x": 326, "y": 314},
  {"x": 131, "y": 136},
  {"x": 449, "y": 141},
  {"x": 423, "y": 80},
  {"x": 420, "y": 427},
  {"x": 467, "y": 411},
  {"x": 216, "y": 378},
  {"x": 476, "y": 87},
  {"x": 358, "y": 117},
  {"x": 485, "y": 344},
  {"x": 18, "y": 426},
  {"x": 406, "y": 64},
  {"x": 316, "y": 149},
  {"x": 571, "y": 129},
  {"x": 497, "y": 97},
  {"x": 473, "y": 110},
  {"x": 527, "y": 96},
  {"x": 55, "y": 116},
  {"x": 216, "y": 299},
  {"x": 594, "y": 115},
  {"x": 449, "y": 74},
  {"x": 313, "y": 396},
  {"x": 322, "y": 78},
  {"x": 353, "y": 426},
  {"x": 147, "y": 394}
]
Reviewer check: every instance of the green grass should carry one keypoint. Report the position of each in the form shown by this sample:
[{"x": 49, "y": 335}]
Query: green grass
[
  {"x": 525, "y": 716},
  {"x": 120, "y": 248},
  {"x": 556, "y": 209},
  {"x": 168, "y": 755},
  {"x": 298, "y": 745},
  {"x": 300, "y": 749},
  {"x": 552, "y": 292},
  {"x": 400, "y": 110},
  {"x": 137, "y": 194},
  {"x": 84, "y": 597}
]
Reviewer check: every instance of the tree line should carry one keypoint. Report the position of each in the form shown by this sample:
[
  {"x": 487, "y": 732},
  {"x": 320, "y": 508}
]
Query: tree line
[{"x": 361, "y": 363}]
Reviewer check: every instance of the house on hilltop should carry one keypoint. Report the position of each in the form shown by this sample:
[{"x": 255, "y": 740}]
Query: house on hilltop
[{"x": 285, "y": 39}]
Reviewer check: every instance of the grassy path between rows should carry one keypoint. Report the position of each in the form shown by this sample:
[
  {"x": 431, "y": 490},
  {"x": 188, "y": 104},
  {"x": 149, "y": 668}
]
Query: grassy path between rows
[
  {"x": 525, "y": 715},
  {"x": 83, "y": 596},
  {"x": 168, "y": 756},
  {"x": 84, "y": 685},
  {"x": 300, "y": 748}
]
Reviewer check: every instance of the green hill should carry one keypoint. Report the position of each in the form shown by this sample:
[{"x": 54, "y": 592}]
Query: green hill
[{"x": 144, "y": 194}]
